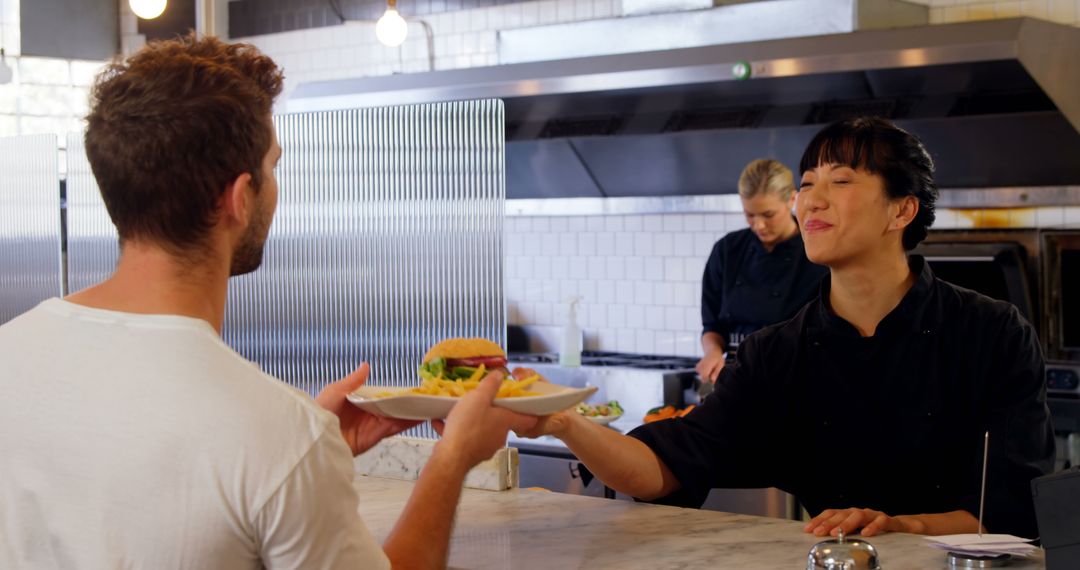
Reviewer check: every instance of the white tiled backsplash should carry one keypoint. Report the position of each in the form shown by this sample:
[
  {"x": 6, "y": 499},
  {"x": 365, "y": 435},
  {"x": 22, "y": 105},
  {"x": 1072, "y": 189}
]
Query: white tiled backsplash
[{"x": 640, "y": 276}]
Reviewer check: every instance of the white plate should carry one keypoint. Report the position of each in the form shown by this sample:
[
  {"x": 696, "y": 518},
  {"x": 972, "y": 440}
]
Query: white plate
[
  {"x": 602, "y": 420},
  {"x": 550, "y": 398}
]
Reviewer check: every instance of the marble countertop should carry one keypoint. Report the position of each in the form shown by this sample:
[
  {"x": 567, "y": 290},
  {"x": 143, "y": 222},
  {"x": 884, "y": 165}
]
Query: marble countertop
[{"x": 525, "y": 529}]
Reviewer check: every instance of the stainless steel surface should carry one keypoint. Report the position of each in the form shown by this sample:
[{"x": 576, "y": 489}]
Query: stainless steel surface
[
  {"x": 842, "y": 553},
  {"x": 387, "y": 238},
  {"x": 92, "y": 244},
  {"x": 994, "y": 101},
  {"x": 739, "y": 23},
  {"x": 1027, "y": 40},
  {"x": 30, "y": 264},
  {"x": 1017, "y": 197},
  {"x": 861, "y": 51},
  {"x": 964, "y": 561},
  {"x": 640, "y": 7}
]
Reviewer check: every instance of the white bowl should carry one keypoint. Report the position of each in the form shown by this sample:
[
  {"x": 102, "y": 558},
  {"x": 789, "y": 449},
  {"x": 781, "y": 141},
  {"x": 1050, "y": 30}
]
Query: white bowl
[{"x": 602, "y": 420}]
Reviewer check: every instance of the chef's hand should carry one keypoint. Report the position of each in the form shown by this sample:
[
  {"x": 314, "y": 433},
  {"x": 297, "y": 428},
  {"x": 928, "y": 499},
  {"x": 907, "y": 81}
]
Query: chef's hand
[
  {"x": 476, "y": 429},
  {"x": 710, "y": 366},
  {"x": 872, "y": 522},
  {"x": 556, "y": 424},
  {"x": 360, "y": 429}
]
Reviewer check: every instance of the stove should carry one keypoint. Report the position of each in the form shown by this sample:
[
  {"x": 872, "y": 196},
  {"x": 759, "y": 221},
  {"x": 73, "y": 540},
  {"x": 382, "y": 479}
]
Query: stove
[{"x": 604, "y": 358}]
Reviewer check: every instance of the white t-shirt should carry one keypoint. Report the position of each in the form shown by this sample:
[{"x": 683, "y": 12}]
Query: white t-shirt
[{"x": 143, "y": 441}]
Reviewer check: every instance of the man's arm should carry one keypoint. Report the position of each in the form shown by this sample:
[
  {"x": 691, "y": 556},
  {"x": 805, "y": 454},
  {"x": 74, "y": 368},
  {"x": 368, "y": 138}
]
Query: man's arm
[
  {"x": 421, "y": 537},
  {"x": 472, "y": 433},
  {"x": 621, "y": 462}
]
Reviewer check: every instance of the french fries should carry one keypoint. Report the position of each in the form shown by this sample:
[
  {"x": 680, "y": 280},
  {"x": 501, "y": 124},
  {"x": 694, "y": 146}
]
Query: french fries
[{"x": 439, "y": 386}]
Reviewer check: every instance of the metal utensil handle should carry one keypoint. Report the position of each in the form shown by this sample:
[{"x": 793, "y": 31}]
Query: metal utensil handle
[{"x": 982, "y": 490}]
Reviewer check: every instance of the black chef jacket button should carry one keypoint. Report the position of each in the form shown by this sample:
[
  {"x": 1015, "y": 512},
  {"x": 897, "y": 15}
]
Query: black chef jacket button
[
  {"x": 738, "y": 282},
  {"x": 938, "y": 487},
  {"x": 815, "y": 344},
  {"x": 825, "y": 423},
  {"x": 775, "y": 293},
  {"x": 788, "y": 259},
  {"x": 926, "y": 331},
  {"x": 929, "y": 414}
]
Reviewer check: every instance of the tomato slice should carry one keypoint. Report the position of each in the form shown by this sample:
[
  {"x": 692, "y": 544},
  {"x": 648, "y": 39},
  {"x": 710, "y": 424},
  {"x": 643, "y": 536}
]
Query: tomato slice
[{"x": 489, "y": 362}]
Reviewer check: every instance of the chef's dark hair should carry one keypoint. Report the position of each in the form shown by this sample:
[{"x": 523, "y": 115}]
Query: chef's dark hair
[{"x": 880, "y": 147}]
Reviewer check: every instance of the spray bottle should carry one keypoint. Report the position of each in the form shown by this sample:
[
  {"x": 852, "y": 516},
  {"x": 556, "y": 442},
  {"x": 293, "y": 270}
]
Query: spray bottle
[{"x": 570, "y": 355}]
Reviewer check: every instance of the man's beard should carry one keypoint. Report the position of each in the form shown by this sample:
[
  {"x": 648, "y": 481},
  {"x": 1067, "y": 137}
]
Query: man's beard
[{"x": 249, "y": 252}]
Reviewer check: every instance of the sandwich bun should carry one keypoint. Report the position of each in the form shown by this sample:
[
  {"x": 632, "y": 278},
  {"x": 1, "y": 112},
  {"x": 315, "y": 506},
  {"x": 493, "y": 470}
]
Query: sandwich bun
[{"x": 464, "y": 348}]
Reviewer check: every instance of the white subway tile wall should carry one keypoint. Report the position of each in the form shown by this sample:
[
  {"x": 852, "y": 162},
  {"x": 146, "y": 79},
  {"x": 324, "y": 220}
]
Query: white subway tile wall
[
  {"x": 639, "y": 276},
  {"x": 46, "y": 95},
  {"x": 645, "y": 296}
]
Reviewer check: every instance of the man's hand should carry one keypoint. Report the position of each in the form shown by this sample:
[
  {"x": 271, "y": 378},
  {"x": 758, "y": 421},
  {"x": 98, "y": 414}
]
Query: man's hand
[
  {"x": 710, "y": 365},
  {"x": 360, "y": 429},
  {"x": 475, "y": 429},
  {"x": 872, "y": 522}
]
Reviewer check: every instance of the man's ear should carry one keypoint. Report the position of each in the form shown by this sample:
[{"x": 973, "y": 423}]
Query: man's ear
[
  {"x": 907, "y": 209},
  {"x": 236, "y": 204}
]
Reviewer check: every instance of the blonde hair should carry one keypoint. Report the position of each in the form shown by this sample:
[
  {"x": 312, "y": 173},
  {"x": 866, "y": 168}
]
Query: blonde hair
[{"x": 766, "y": 176}]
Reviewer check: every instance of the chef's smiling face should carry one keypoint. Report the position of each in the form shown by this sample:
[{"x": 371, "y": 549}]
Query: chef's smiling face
[
  {"x": 844, "y": 214},
  {"x": 769, "y": 217}
]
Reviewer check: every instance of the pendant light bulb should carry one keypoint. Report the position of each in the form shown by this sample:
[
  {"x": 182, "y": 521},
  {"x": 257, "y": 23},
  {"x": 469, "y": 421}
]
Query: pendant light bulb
[
  {"x": 391, "y": 29},
  {"x": 147, "y": 9}
]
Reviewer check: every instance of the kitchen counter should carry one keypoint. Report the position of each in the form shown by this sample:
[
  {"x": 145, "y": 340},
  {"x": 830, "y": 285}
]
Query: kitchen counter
[{"x": 538, "y": 529}]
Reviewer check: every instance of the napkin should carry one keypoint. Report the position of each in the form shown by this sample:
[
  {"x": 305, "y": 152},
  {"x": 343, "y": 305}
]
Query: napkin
[{"x": 985, "y": 545}]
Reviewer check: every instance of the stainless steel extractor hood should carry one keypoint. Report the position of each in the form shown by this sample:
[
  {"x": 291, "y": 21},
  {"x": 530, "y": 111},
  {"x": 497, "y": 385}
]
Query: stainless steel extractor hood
[{"x": 996, "y": 102}]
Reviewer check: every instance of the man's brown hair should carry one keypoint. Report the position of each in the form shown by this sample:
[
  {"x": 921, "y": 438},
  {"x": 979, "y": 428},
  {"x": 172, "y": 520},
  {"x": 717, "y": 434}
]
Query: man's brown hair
[{"x": 171, "y": 127}]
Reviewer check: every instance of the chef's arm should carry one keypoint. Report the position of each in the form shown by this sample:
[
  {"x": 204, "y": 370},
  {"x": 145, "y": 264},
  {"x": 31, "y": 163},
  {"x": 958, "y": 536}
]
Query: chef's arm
[
  {"x": 621, "y": 462},
  {"x": 713, "y": 341},
  {"x": 871, "y": 522}
]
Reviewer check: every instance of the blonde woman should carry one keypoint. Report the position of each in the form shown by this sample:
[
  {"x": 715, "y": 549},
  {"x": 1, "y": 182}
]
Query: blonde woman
[{"x": 757, "y": 276}]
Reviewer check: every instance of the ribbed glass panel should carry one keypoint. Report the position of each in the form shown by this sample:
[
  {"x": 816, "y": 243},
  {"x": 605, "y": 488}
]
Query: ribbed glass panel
[
  {"x": 92, "y": 244},
  {"x": 30, "y": 266},
  {"x": 387, "y": 239}
]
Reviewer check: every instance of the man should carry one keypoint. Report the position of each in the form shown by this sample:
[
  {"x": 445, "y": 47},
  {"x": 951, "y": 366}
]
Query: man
[
  {"x": 132, "y": 436},
  {"x": 870, "y": 404}
]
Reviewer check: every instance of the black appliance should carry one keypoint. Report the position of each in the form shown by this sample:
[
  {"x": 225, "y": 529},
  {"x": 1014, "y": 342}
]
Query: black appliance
[
  {"x": 995, "y": 269},
  {"x": 1056, "y": 512}
]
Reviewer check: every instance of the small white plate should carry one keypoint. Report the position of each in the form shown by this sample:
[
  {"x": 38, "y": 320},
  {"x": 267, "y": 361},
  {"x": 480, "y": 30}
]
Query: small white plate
[
  {"x": 602, "y": 420},
  {"x": 550, "y": 398}
]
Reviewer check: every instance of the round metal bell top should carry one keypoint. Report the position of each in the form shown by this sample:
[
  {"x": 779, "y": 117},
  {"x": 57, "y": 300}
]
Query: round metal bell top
[{"x": 842, "y": 554}]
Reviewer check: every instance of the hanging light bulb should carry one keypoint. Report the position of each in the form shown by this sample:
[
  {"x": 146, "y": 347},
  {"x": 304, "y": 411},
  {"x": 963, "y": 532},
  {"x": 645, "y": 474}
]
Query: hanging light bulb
[
  {"x": 147, "y": 9},
  {"x": 391, "y": 28}
]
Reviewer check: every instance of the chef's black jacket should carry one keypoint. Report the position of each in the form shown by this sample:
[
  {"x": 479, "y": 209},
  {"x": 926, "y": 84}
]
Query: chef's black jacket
[
  {"x": 745, "y": 287},
  {"x": 892, "y": 422}
]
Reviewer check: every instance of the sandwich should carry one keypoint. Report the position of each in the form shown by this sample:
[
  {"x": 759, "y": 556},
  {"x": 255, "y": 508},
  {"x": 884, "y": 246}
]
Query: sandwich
[
  {"x": 463, "y": 359},
  {"x": 456, "y": 366}
]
